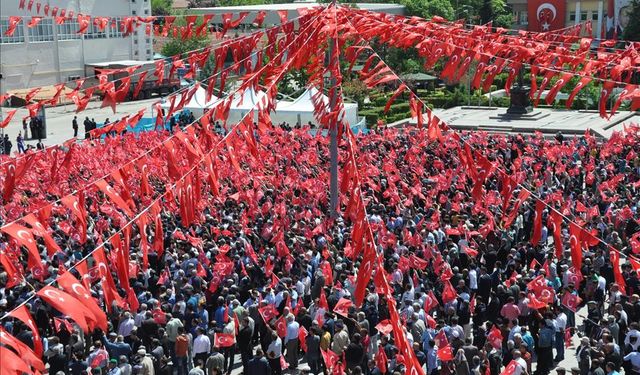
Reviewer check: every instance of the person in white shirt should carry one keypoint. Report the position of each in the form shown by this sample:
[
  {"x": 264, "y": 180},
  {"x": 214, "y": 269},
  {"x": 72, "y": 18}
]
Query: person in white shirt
[
  {"x": 291, "y": 341},
  {"x": 274, "y": 352},
  {"x": 521, "y": 369},
  {"x": 141, "y": 315},
  {"x": 201, "y": 345},
  {"x": 473, "y": 279},
  {"x": 126, "y": 325},
  {"x": 561, "y": 325}
]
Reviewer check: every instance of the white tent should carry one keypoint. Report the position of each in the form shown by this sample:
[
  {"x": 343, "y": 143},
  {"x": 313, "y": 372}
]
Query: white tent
[
  {"x": 197, "y": 104},
  {"x": 300, "y": 110}
]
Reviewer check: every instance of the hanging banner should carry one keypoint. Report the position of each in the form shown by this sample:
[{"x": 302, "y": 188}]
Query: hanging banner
[{"x": 546, "y": 15}]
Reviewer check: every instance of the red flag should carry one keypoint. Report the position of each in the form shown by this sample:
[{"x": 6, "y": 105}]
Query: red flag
[
  {"x": 281, "y": 327},
  {"x": 511, "y": 368},
  {"x": 614, "y": 256},
  {"x": 555, "y": 222},
  {"x": 23, "y": 237},
  {"x": 109, "y": 191},
  {"x": 537, "y": 223},
  {"x": 449, "y": 293},
  {"x": 223, "y": 340},
  {"x": 25, "y": 352},
  {"x": 575, "y": 233},
  {"x": 23, "y": 314},
  {"x": 445, "y": 354},
  {"x": 71, "y": 285},
  {"x": 7, "y": 118},
  {"x": 267, "y": 313},
  {"x": 430, "y": 302},
  {"x": 441, "y": 339},
  {"x": 260, "y": 16},
  {"x": 381, "y": 360},
  {"x": 567, "y": 337},
  {"x": 342, "y": 307},
  {"x": 302, "y": 338},
  {"x": 67, "y": 305},
  {"x": 495, "y": 337},
  {"x": 322, "y": 303},
  {"x": 571, "y": 301},
  {"x": 13, "y": 23},
  {"x": 12, "y": 363}
]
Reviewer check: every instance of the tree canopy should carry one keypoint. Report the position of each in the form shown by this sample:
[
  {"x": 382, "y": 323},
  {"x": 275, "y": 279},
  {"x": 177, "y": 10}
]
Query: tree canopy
[
  {"x": 161, "y": 7},
  {"x": 632, "y": 30}
]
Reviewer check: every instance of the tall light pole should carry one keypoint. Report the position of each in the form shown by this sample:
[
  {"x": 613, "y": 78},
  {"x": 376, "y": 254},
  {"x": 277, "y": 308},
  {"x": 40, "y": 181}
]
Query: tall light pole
[{"x": 333, "y": 134}]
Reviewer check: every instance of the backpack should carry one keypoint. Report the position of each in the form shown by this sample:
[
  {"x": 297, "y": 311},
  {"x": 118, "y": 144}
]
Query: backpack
[{"x": 546, "y": 337}]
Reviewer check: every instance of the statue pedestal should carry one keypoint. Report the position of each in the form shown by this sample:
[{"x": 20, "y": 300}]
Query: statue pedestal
[{"x": 520, "y": 104}]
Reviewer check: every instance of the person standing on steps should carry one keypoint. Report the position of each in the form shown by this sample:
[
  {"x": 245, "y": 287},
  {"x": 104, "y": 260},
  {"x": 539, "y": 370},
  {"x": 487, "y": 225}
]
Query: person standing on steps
[{"x": 74, "y": 124}]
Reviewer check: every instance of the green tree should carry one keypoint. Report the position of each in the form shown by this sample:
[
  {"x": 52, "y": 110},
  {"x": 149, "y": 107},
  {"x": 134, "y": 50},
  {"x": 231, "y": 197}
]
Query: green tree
[
  {"x": 176, "y": 45},
  {"x": 161, "y": 7},
  {"x": 429, "y": 8},
  {"x": 497, "y": 12},
  {"x": 632, "y": 31},
  {"x": 486, "y": 12}
]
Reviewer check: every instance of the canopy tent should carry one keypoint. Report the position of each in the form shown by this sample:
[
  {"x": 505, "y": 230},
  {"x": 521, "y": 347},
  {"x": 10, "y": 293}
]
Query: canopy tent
[
  {"x": 197, "y": 104},
  {"x": 299, "y": 110}
]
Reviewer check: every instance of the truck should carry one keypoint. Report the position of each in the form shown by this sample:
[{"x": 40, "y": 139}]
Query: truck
[{"x": 150, "y": 86}]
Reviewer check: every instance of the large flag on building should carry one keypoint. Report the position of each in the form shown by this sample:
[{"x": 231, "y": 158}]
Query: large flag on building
[{"x": 546, "y": 15}]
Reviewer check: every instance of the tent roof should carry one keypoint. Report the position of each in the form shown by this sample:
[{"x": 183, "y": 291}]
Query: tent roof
[
  {"x": 199, "y": 100},
  {"x": 419, "y": 77}
]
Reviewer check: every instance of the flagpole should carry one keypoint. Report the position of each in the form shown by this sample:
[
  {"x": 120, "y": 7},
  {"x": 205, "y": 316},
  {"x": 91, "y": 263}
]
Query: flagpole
[{"x": 333, "y": 134}]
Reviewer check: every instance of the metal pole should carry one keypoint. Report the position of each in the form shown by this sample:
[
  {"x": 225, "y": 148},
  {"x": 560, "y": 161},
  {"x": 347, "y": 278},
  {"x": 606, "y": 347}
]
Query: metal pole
[{"x": 333, "y": 134}]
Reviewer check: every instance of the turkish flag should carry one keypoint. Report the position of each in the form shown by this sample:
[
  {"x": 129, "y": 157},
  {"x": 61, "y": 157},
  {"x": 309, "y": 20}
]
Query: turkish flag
[
  {"x": 281, "y": 327},
  {"x": 381, "y": 360},
  {"x": 510, "y": 369},
  {"x": 441, "y": 339},
  {"x": 537, "y": 223},
  {"x": 384, "y": 327},
  {"x": 342, "y": 307},
  {"x": 72, "y": 286},
  {"x": 546, "y": 15},
  {"x": 571, "y": 301},
  {"x": 67, "y": 305},
  {"x": 449, "y": 293},
  {"x": 25, "y": 352},
  {"x": 430, "y": 301},
  {"x": 267, "y": 313},
  {"x": 12, "y": 363},
  {"x": 22, "y": 313},
  {"x": 445, "y": 354},
  {"x": 495, "y": 337},
  {"x": 575, "y": 233},
  {"x": 302, "y": 338}
]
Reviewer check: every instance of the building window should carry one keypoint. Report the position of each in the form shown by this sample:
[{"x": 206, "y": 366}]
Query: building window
[
  {"x": 115, "y": 29},
  {"x": 594, "y": 16},
  {"x": 18, "y": 34},
  {"x": 583, "y": 16},
  {"x": 94, "y": 32},
  {"x": 523, "y": 17},
  {"x": 146, "y": 12},
  {"x": 69, "y": 30},
  {"x": 73, "y": 78},
  {"x": 572, "y": 16},
  {"x": 42, "y": 32},
  {"x": 133, "y": 12}
]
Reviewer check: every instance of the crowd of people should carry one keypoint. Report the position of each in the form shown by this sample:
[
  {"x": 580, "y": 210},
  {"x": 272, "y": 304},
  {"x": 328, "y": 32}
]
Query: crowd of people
[{"x": 263, "y": 282}]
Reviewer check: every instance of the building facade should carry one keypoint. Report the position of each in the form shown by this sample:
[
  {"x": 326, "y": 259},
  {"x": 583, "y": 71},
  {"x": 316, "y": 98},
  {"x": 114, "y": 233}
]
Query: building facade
[
  {"x": 608, "y": 17},
  {"x": 49, "y": 53}
]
